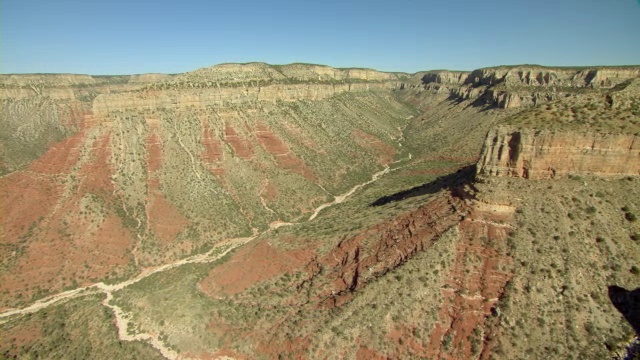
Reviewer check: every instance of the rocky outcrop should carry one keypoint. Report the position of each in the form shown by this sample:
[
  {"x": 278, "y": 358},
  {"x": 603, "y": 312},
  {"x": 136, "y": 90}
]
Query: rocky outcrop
[
  {"x": 546, "y": 154},
  {"x": 352, "y": 264}
]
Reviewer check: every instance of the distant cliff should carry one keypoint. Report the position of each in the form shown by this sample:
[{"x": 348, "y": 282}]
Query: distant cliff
[
  {"x": 216, "y": 85},
  {"x": 523, "y": 85}
]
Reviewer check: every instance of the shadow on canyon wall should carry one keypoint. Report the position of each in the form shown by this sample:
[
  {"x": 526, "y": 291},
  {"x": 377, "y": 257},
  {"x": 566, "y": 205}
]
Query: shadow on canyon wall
[
  {"x": 464, "y": 176},
  {"x": 628, "y": 304}
]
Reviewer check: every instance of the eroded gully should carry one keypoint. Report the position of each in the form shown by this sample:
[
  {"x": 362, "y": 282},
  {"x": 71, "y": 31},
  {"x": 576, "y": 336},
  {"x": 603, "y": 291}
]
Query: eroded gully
[{"x": 122, "y": 318}]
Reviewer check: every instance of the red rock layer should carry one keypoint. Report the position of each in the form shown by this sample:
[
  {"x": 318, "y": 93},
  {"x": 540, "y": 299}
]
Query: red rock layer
[
  {"x": 284, "y": 158},
  {"x": 475, "y": 284},
  {"x": 384, "y": 151},
  {"x": 164, "y": 220},
  {"x": 212, "y": 154},
  {"x": 350, "y": 265},
  {"x": 253, "y": 263},
  {"x": 241, "y": 146},
  {"x": 57, "y": 243}
]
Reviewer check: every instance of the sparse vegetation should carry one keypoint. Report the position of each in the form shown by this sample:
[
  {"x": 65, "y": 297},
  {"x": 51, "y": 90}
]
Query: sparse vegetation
[{"x": 175, "y": 179}]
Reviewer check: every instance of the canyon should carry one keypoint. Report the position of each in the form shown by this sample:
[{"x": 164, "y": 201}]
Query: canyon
[{"x": 267, "y": 211}]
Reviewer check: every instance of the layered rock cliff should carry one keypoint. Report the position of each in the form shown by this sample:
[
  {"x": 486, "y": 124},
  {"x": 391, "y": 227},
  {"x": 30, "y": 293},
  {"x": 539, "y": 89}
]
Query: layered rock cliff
[
  {"x": 225, "y": 96},
  {"x": 525, "y": 75},
  {"x": 548, "y": 154}
]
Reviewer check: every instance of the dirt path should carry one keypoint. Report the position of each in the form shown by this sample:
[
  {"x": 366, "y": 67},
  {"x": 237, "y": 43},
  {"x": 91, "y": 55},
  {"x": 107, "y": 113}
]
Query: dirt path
[
  {"x": 340, "y": 198},
  {"x": 265, "y": 183},
  {"x": 122, "y": 324}
]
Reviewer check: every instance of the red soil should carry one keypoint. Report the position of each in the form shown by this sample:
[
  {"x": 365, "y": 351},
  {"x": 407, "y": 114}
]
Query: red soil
[
  {"x": 476, "y": 283},
  {"x": 65, "y": 245},
  {"x": 284, "y": 158},
  {"x": 242, "y": 147},
  {"x": 96, "y": 173},
  {"x": 60, "y": 157},
  {"x": 364, "y": 353},
  {"x": 26, "y": 198},
  {"x": 21, "y": 335},
  {"x": 406, "y": 344},
  {"x": 294, "y": 348},
  {"x": 164, "y": 220},
  {"x": 292, "y": 163},
  {"x": 213, "y": 153},
  {"x": 255, "y": 262},
  {"x": 384, "y": 151},
  {"x": 270, "y": 141},
  {"x": 218, "y": 171},
  {"x": 212, "y": 147},
  {"x": 335, "y": 276},
  {"x": 154, "y": 150},
  {"x": 76, "y": 115},
  {"x": 299, "y": 134},
  {"x": 270, "y": 192}
]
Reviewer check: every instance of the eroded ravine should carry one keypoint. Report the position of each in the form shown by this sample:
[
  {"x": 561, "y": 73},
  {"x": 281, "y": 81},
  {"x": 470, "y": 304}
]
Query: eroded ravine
[{"x": 122, "y": 317}]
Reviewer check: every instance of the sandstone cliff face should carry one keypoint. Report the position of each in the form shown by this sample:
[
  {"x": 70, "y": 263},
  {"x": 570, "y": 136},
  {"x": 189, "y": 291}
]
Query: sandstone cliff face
[{"x": 545, "y": 155}]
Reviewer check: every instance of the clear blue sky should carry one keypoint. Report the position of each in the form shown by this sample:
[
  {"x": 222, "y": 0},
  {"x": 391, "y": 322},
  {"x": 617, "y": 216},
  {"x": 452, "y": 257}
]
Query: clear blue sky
[{"x": 138, "y": 36}]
